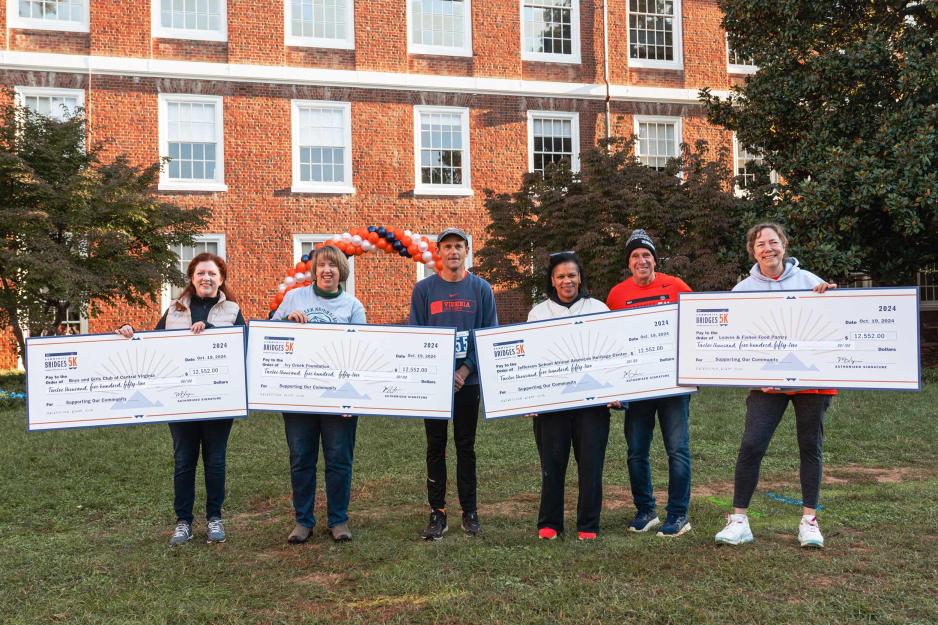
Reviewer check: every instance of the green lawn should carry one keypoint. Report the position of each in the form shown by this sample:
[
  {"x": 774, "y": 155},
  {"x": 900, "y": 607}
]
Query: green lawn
[{"x": 86, "y": 515}]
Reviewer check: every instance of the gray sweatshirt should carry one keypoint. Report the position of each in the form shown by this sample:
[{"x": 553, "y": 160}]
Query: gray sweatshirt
[{"x": 793, "y": 278}]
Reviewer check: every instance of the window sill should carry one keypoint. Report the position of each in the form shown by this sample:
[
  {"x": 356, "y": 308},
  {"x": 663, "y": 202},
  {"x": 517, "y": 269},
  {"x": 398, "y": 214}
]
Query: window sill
[
  {"x": 438, "y": 51},
  {"x": 191, "y": 35},
  {"x": 313, "y": 42},
  {"x": 34, "y": 24},
  {"x": 650, "y": 64},
  {"x": 565, "y": 59},
  {"x": 323, "y": 189},
  {"x": 453, "y": 191},
  {"x": 178, "y": 185},
  {"x": 741, "y": 69}
]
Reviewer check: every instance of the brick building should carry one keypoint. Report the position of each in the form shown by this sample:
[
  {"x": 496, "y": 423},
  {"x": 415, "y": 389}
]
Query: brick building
[{"x": 296, "y": 119}]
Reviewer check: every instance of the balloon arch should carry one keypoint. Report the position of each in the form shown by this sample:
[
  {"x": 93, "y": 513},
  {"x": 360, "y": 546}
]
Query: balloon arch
[{"x": 358, "y": 241}]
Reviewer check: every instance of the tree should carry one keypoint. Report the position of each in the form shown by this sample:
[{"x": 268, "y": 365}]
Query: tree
[
  {"x": 844, "y": 106},
  {"x": 694, "y": 217},
  {"x": 77, "y": 231}
]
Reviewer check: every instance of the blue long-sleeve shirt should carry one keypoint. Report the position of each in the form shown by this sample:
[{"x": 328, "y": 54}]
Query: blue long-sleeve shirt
[{"x": 464, "y": 305}]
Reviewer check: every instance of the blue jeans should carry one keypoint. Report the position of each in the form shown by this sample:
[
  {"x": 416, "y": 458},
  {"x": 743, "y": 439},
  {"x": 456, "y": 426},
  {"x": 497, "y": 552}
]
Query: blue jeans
[
  {"x": 188, "y": 438},
  {"x": 673, "y": 415},
  {"x": 304, "y": 431}
]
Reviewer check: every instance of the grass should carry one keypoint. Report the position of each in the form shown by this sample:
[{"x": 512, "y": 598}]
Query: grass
[{"x": 86, "y": 516}]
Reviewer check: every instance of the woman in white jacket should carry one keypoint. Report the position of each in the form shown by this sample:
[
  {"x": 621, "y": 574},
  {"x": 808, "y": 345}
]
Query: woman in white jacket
[{"x": 585, "y": 429}]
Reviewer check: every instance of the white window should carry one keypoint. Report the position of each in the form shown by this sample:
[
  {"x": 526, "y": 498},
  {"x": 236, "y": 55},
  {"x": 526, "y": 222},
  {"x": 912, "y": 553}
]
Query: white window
[
  {"x": 306, "y": 243},
  {"x": 423, "y": 271},
  {"x": 441, "y": 150},
  {"x": 320, "y": 23},
  {"x": 191, "y": 135},
  {"x": 205, "y": 20},
  {"x": 655, "y": 34},
  {"x": 322, "y": 147},
  {"x": 736, "y": 63},
  {"x": 659, "y": 138},
  {"x": 74, "y": 322},
  {"x": 553, "y": 137},
  {"x": 550, "y": 30},
  {"x": 57, "y": 103},
  {"x": 211, "y": 243},
  {"x": 70, "y": 15},
  {"x": 742, "y": 159},
  {"x": 440, "y": 27}
]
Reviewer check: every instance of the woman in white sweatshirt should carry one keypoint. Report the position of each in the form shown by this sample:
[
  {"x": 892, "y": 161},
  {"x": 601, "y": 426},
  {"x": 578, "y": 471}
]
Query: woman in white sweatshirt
[
  {"x": 585, "y": 429},
  {"x": 776, "y": 271}
]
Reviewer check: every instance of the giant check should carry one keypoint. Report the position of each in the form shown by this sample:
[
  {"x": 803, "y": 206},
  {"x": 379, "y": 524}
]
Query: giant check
[
  {"x": 849, "y": 338},
  {"x": 401, "y": 371},
  {"x": 105, "y": 379},
  {"x": 574, "y": 362}
]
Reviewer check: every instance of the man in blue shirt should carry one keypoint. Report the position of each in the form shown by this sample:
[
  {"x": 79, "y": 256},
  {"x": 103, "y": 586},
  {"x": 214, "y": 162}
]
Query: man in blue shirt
[{"x": 454, "y": 298}]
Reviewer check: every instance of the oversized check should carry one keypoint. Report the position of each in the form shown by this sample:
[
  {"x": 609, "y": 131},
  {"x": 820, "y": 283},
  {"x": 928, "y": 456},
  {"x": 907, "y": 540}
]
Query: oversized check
[
  {"x": 332, "y": 368},
  {"x": 574, "y": 362},
  {"x": 844, "y": 338},
  {"x": 104, "y": 379}
]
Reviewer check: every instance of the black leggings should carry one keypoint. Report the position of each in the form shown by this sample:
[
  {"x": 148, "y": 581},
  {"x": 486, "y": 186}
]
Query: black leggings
[{"x": 763, "y": 414}]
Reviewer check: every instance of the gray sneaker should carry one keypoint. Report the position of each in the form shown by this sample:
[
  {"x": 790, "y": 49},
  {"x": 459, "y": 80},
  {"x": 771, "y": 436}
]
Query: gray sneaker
[
  {"x": 216, "y": 531},
  {"x": 300, "y": 534},
  {"x": 181, "y": 535},
  {"x": 341, "y": 533}
]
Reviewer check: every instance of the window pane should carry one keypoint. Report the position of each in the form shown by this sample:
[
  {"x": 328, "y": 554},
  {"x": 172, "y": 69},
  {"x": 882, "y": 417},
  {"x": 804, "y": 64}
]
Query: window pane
[
  {"x": 202, "y": 15},
  {"x": 324, "y": 19},
  {"x": 438, "y": 22},
  {"x": 651, "y": 30},
  {"x": 552, "y": 142},
  {"x": 657, "y": 143},
  {"x": 441, "y": 145},
  {"x": 548, "y": 26}
]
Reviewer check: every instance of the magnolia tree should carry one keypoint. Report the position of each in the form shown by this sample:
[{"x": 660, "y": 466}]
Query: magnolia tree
[
  {"x": 844, "y": 106},
  {"x": 77, "y": 230}
]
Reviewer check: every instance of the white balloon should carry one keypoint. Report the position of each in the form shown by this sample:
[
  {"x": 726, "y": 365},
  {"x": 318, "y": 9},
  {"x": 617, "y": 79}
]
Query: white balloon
[
  {"x": 281, "y": 287},
  {"x": 422, "y": 245},
  {"x": 357, "y": 240},
  {"x": 289, "y": 281},
  {"x": 337, "y": 237},
  {"x": 408, "y": 233},
  {"x": 299, "y": 276},
  {"x": 427, "y": 257},
  {"x": 367, "y": 246},
  {"x": 346, "y": 237},
  {"x": 430, "y": 264}
]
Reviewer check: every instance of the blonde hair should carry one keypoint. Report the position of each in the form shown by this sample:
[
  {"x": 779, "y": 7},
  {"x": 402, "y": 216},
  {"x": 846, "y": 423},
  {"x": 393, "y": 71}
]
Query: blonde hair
[
  {"x": 756, "y": 229},
  {"x": 334, "y": 254}
]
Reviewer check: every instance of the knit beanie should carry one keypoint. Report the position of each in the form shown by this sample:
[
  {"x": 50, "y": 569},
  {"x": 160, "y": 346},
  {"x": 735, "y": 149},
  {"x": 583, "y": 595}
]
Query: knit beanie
[{"x": 640, "y": 238}]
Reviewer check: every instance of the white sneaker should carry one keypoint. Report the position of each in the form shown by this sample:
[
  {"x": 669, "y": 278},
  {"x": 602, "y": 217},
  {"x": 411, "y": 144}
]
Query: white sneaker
[
  {"x": 736, "y": 531},
  {"x": 809, "y": 532}
]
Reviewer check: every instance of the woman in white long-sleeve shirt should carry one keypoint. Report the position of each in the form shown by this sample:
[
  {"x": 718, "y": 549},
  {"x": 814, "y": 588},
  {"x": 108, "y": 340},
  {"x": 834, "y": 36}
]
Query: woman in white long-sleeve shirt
[{"x": 584, "y": 429}]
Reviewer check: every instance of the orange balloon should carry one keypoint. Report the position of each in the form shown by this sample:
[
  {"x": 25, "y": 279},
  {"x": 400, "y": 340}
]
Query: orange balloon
[
  {"x": 413, "y": 249},
  {"x": 300, "y": 266},
  {"x": 406, "y": 240},
  {"x": 274, "y": 305},
  {"x": 373, "y": 237},
  {"x": 382, "y": 244},
  {"x": 439, "y": 265}
]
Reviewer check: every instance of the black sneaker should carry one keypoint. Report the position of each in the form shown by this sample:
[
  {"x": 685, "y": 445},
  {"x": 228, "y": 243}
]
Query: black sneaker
[
  {"x": 470, "y": 523},
  {"x": 436, "y": 527}
]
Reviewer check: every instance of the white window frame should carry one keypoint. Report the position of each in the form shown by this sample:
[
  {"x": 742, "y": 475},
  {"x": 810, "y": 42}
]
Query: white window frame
[
  {"x": 157, "y": 30},
  {"x": 465, "y": 189},
  {"x": 306, "y": 186},
  {"x": 677, "y": 38},
  {"x": 165, "y": 298},
  {"x": 300, "y": 239},
  {"x": 742, "y": 191},
  {"x": 433, "y": 237},
  {"x": 422, "y": 48},
  {"x": 544, "y": 57},
  {"x": 737, "y": 68},
  {"x": 169, "y": 184},
  {"x": 23, "y": 92},
  {"x": 348, "y": 43},
  {"x": 15, "y": 21},
  {"x": 659, "y": 119},
  {"x": 574, "y": 135}
]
